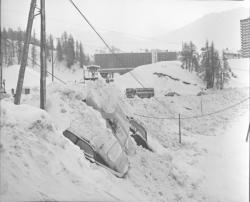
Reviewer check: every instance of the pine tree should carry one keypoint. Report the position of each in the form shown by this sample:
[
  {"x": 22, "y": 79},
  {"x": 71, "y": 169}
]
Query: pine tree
[
  {"x": 211, "y": 66},
  {"x": 192, "y": 58},
  {"x": 59, "y": 51},
  {"x": 33, "y": 51},
  {"x": 5, "y": 46},
  {"x": 205, "y": 64},
  {"x": 77, "y": 51},
  {"x": 189, "y": 56},
  {"x": 70, "y": 52},
  {"x": 51, "y": 45},
  {"x": 19, "y": 45},
  {"x": 82, "y": 57},
  {"x": 64, "y": 42},
  {"x": 226, "y": 72},
  {"x": 10, "y": 51},
  {"x": 184, "y": 54},
  {"x": 47, "y": 50}
]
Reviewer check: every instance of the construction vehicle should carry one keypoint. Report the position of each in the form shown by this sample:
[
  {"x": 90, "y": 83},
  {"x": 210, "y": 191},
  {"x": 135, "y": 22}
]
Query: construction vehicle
[{"x": 140, "y": 92}]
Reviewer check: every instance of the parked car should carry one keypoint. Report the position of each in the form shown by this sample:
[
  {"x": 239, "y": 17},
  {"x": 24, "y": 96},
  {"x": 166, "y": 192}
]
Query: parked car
[
  {"x": 139, "y": 133},
  {"x": 93, "y": 156}
]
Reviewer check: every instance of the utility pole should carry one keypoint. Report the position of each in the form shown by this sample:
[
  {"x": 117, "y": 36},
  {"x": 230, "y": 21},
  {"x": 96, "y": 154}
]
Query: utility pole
[
  {"x": 52, "y": 58},
  {"x": 180, "y": 128},
  {"x": 1, "y": 54},
  {"x": 42, "y": 57},
  {"x": 25, "y": 53}
]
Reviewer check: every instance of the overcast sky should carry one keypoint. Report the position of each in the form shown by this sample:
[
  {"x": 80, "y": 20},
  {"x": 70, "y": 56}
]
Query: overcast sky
[
  {"x": 133, "y": 17},
  {"x": 142, "y": 17}
]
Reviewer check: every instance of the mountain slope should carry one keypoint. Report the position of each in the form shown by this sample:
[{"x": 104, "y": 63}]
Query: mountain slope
[{"x": 222, "y": 28}]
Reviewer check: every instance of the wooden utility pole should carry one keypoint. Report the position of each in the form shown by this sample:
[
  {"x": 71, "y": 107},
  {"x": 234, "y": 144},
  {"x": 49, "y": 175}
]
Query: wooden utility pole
[
  {"x": 43, "y": 58},
  {"x": 248, "y": 132},
  {"x": 180, "y": 128},
  {"x": 52, "y": 58},
  {"x": 25, "y": 53},
  {"x": 1, "y": 54}
]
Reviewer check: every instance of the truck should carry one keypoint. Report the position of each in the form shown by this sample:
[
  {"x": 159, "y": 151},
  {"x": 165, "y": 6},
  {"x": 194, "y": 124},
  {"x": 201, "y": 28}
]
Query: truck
[{"x": 140, "y": 92}]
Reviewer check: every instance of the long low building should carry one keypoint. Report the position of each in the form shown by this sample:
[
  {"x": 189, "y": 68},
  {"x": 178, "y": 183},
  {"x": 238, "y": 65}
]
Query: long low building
[{"x": 131, "y": 60}]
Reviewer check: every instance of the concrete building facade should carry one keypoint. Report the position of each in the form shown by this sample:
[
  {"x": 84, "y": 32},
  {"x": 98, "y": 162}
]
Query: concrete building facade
[
  {"x": 131, "y": 60},
  {"x": 245, "y": 37}
]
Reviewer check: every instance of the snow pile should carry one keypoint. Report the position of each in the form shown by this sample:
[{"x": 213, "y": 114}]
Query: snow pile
[
  {"x": 213, "y": 149},
  {"x": 189, "y": 171},
  {"x": 31, "y": 79},
  {"x": 106, "y": 99},
  {"x": 66, "y": 106},
  {"x": 38, "y": 163},
  {"x": 240, "y": 68},
  {"x": 32, "y": 75},
  {"x": 169, "y": 77},
  {"x": 231, "y": 158},
  {"x": 73, "y": 75},
  {"x": 164, "y": 77},
  {"x": 68, "y": 101}
]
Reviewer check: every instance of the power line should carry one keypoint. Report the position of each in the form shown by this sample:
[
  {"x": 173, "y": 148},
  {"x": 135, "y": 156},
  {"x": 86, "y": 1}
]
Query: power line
[
  {"x": 105, "y": 43},
  {"x": 49, "y": 72},
  {"x": 110, "y": 49},
  {"x": 196, "y": 116},
  {"x": 90, "y": 24}
]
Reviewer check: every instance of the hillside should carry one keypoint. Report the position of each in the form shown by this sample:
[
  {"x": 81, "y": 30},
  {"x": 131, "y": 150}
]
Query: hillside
[
  {"x": 223, "y": 28},
  {"x": 165, "y": 77}
]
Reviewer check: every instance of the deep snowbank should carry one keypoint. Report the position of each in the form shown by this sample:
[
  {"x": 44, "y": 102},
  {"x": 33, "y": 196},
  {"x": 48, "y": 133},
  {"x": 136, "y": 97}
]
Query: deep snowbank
[
  {"x": 168, "y": 76},
  {"x": 165, "y": 77},
  {"x": 31, "y": 79},
  {"x": 175, "y": 172},
  {"x": 215, "y": 144},
  {"x": 106, "y": 99},
  {"x": 87, "y": 122},
  {"x": 38, "y": 163}
]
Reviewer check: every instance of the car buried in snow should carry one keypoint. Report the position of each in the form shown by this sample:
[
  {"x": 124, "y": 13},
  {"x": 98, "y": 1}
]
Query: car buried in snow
[
  {"x": 139, "y": 133},
  {"x": 93, "y": 156}
]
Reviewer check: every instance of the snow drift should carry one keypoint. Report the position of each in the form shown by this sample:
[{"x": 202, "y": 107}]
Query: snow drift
[
  {"x": 38, "y": 163},
  {"x": 107, "y": 101},
  {"x": 164, "y": 77},
  {"x": 87, "y": 123}
]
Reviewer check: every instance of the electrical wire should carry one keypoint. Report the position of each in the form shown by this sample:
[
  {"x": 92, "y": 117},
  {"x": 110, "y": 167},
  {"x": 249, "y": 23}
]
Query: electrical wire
[
  {"x": 49, "y": 72},
  {"x": 110, "y": 49},
  {"x": 196, "y": 116}
]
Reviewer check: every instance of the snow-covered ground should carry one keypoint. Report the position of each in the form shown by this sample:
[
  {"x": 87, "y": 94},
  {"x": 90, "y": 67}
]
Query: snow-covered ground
[
  {"x": 39, "y": 163},
  {"x": 163, "y": 76},
  {"x": 211, "y": 163},
  {"x": 241, "y": 69}
]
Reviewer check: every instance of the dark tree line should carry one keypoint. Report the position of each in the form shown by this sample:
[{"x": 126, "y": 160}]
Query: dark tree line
[
  {"x": 67, "y": 48},
  {"x": 213, "y": 68},
  {"x": 190, "y": 56},
  {"x": 71, "y": 51},
  {"x": 12, "y": 45}
]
